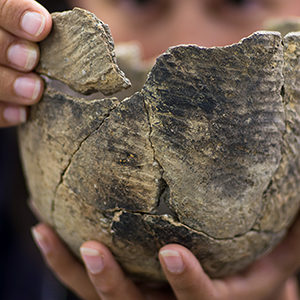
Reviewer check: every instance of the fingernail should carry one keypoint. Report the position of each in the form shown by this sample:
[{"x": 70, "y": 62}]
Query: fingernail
[
  {"x": 40, "y": 241},
  {"x": 173, "y": 261},
  {"x": 27, "y": 87},
  {"x": 15, "y": 115},
  {"x": 33, "y": 23},
  {"x": 93, "y": 260},
  {"x": 22, "y": 56}
]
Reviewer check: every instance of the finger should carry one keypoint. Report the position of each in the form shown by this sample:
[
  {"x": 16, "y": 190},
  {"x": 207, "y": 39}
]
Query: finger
[
  {"x": 12, "y": 115},
  {"x": 62, "y": 263},
  {"x": 26, "y": 19},
  {"x": 106, "y": 275},
  {"x": 20, "y": 88},
  {"x": 18, "y": 53},
  {"x": 185, "y": 274}
]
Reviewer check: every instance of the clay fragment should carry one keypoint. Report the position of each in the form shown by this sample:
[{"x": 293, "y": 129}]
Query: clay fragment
[
  {"x": 89, "y": 67},
  {"x": 205, "y": 154}
]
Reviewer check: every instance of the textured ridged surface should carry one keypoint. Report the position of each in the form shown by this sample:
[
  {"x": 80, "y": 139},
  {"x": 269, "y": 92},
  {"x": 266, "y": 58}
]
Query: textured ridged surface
[
  {"x": 50, "y": 142},
  {"x": 95, "y": 61},
  {"x": 205, "y": 155},
  {"x": 222, "y": 126},
  {"x": 282, "y": 196}
]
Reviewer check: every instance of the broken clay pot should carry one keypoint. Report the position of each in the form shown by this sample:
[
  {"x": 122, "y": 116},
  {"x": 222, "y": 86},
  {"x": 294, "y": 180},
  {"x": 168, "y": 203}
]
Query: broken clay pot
[{"x": 205, "y": 154}]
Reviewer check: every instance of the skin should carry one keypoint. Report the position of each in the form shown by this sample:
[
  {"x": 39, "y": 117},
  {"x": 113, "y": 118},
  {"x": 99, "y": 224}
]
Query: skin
[
  {"x": 270, "y": 278},
  {"x": 155, "y": 27}
]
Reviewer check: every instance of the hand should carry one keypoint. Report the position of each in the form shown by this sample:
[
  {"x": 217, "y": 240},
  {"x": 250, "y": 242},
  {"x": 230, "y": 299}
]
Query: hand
[
  {"x": 22, "y": 23},
  {"x": 270, "y": 278}
]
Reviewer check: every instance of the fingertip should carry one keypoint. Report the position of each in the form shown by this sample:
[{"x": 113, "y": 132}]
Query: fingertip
[
  {"x": 64, "y": 265},
  {"x": 94, "y": 254},
  {"x": 105, "y": 273},
  {"x": 36, "y": 22},
  {"x": 46, "y": 239},
  {"x": 92, "y": 244},
  {"x": 38, "y": 90},
  {"x": 12, "y": 115},
  {"x": 93, "y": 260},
  {"x": 184, "y": 272},
  {"x": 42, "y": 227},
  {"x": 26, "y": 19},
  {"x": 28, "y": 89},
  {"x": 177, "y": 258},
  {"x": 39, "y": 234},
  {"x": 177, "y": 247},
  {"x": 172, "y": 260},
  {"x": 46, "y": 29},
  {"x": 22, "y": 55}
]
